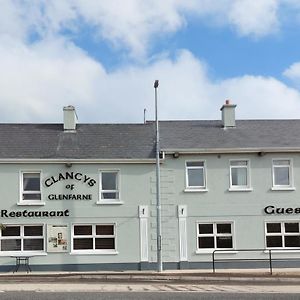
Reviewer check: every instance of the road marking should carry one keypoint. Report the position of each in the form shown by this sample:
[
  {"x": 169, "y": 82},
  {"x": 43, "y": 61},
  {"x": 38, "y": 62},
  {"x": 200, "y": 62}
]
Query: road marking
[{"x": 131, "y": 288}]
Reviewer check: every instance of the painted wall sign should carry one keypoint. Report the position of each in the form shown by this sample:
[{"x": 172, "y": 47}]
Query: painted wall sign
[
  {"x": 34, "y": 214},
  {"x": 272, "y": 210},
  {"x": 77, "y": 177},
  {"x": 69, "y": 197},
  {"x": 70, "y": 176},
  {"x": 57, "y": 238}
]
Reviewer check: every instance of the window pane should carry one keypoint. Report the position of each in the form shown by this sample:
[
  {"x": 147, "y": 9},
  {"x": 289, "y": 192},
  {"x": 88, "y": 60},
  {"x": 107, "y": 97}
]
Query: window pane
[
  {"x": 223, "y": 228},
  {"x": 109, "y": 195},
  {"x": 33, "y": 230},
  {"x": 31, "y": 181},
  {"x": 238, "y": 163},
  {"x": 11, "y": 231},
  {"x": 281, "y": 162},
  {"x": 206, "y": 242},
  {"x": 83, "y": 244},
  {"x": 224, "y": 242},
  {"x": 273, "y": 227},
  {"x": 104, "y": 229},
  {"x": 82, "y": 230},
  {"x": 33, "y": 244},
  {"x": 105, "y": 243},
  {"x": 281, "y": 176},
  {"x": 109, "y": 180},
  {"x": 291, "y": 227},
  {"x": 195, "y": 177},
  {"x": 239, "y": 176},
  {"x": 274, "y": 241},
  {"x": 11, "y": 245},
  {"x": 31, "y": 196},
  {"x": 292, "y": 241},
  {"x": 195, "y": 164},
  {"x": 205, "y": 228}
]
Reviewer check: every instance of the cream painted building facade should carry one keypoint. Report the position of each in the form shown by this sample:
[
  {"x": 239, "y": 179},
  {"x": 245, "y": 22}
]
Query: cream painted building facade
[{"x": 83, "y": 196}]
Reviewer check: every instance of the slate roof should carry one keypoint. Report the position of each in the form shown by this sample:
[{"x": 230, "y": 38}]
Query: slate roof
[
  {"x": 248, "y": 134},
  {"x": 137, "y": 141},
  {"x": 90, "y": 141}
]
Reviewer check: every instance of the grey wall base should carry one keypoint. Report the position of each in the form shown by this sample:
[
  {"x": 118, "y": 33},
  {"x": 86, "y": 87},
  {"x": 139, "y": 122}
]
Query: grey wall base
[
  {"x": 153, "y": 266},
  {"x": 183, "y": 265}
]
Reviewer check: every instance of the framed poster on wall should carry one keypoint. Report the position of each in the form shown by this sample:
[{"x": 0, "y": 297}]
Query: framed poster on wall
[{"x": 57, "y": 238}]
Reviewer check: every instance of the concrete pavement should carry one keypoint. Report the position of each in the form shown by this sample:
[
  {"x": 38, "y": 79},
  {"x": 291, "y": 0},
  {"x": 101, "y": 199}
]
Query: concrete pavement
[{"x": 254, "y": 276}]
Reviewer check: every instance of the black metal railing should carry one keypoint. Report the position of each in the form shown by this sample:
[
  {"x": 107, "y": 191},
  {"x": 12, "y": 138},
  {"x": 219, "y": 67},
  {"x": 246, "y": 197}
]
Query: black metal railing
[{"x": 268, "y": 252}]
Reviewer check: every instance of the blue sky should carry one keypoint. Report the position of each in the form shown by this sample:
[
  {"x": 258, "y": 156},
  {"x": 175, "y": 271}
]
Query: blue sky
[{"x": 103, "y": 57}]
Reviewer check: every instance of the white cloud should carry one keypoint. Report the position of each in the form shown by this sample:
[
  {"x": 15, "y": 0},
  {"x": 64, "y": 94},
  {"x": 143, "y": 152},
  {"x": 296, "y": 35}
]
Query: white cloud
[
  {"x": 135, "y": 24},
  {"x": 37, "y": 81},
  {"x": 258, "y": 18},
  {"x": 262, "y": 97},
  {"x": 11, "y": 22},
  {"x": 293, "y": 73}
]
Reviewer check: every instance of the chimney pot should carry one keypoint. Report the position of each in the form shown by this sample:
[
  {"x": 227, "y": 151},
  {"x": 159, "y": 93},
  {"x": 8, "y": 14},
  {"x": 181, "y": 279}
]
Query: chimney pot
[{"x": 227, "y": 102}]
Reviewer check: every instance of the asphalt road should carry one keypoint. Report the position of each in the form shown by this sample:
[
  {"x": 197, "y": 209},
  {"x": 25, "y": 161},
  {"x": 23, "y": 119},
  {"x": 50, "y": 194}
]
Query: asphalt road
[{"x": 139, "y": 296}]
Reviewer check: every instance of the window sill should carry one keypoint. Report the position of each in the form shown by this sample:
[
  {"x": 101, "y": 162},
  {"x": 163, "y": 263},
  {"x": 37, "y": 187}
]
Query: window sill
[
  {"x": 195, "y": 190},
  {"x": 86, "y": 252},
  {"x": 210, "y": 251},
  {"x": 31, "y": 203},
  {"x": 291, "y": 188},
  {"x": 109, "y": 202},
  {"x": 275, "y": 251},
  {"x": 25, "y": 254},
  {"x": 240, "y": 189}
]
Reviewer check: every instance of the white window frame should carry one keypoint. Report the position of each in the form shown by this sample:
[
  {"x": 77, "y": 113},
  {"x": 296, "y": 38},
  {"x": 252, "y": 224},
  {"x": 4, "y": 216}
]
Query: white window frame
[
  {"x": 282, "y": 234},
  {"x": 30, "y": 202},
  {"x": 118, "y": 182},
  {"x": 22, "y": 237},
  {"x": 240, "y": 187},
  {"x": 290, "y": 186},
  {"x": 215, "y": 235},
  {"x": 204, "y": 168},
  {"x": 93, "y": 236}
]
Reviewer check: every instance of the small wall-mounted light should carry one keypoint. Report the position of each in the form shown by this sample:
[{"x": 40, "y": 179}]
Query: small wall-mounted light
[
  {"x": 68, "y": 165},
  {"x": 261, "y": 153},
  {"x": 176, "y": 154}
]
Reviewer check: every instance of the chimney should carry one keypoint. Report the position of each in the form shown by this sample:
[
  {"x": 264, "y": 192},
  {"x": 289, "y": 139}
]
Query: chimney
[
  {"x": 70, "y": 118},
  {"x": 228, "y": 114}
]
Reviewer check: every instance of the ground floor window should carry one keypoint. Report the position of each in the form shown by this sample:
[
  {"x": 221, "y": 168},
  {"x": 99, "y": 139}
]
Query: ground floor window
[
  {"x": 214, "y": 235},
  {"x": 95, "y": 237},
  {"x": 282, "y": 235},
  {"x": 22, "y": 238}
]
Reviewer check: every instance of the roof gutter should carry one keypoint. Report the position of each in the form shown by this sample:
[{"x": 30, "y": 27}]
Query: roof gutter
[
  {"x": 76, "y": 161},
  {"x": 231, "y": 150}
]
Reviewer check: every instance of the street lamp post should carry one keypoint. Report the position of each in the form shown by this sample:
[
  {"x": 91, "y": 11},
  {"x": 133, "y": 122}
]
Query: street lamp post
[{"x": 158, "y": 202}]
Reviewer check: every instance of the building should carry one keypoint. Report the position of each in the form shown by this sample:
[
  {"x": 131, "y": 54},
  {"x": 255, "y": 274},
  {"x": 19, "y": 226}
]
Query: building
[{"x": 83, "y": 196}]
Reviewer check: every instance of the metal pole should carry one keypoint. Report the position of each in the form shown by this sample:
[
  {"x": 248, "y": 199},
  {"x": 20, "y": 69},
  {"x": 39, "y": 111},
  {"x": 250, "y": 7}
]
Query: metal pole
[
  {"x": 213, "y": 256},
  {"x": 158, "y": 203},
  {"x": 270, "y": 261}
]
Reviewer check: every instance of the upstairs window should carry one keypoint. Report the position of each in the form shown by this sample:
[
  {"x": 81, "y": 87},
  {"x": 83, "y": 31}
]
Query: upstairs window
[
  {"x": 30, "y": 187},
  {"x": 195, "y": 175},
  {"x": 109, "y": 186},
  {"x": 282, "y": 173},
  {"x": 239, "y": 174}
]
